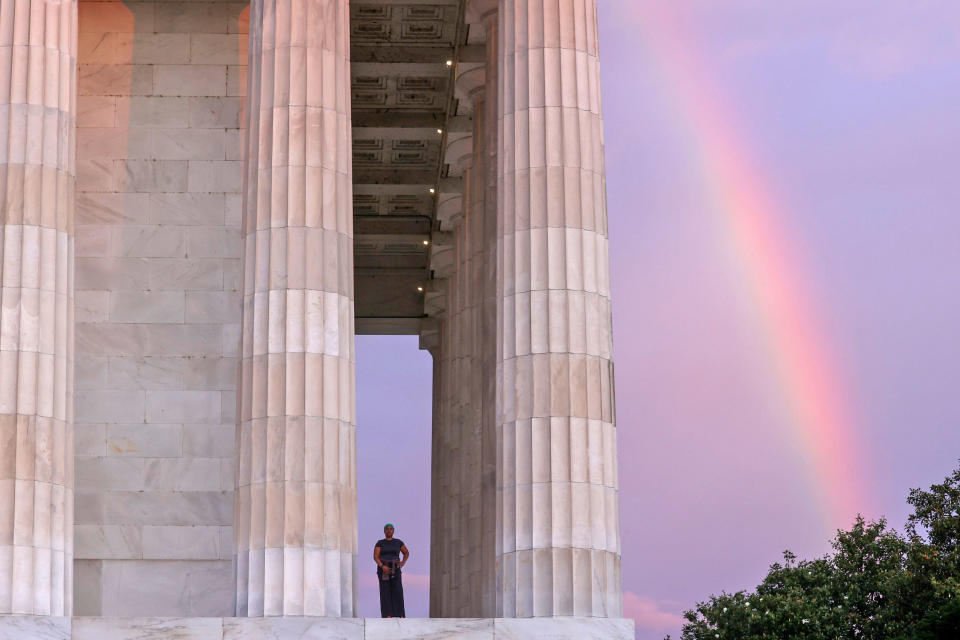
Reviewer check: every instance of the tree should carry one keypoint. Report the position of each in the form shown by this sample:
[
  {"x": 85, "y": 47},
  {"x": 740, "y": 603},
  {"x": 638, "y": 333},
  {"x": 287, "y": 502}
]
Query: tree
[{"x": 876, "y": 584}]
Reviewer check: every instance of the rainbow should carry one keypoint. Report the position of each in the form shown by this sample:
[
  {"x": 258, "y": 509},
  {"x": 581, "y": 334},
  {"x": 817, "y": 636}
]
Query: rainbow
[{"x": 823, "y": 431}]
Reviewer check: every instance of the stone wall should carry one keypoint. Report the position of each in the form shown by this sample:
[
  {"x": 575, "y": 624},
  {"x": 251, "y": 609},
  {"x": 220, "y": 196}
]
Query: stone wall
[{"x": 159, "y": 157}]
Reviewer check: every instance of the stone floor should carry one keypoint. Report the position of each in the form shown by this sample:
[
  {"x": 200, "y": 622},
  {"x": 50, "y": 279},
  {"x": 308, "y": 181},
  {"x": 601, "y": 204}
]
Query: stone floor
[{"x": 79, "y": 628}]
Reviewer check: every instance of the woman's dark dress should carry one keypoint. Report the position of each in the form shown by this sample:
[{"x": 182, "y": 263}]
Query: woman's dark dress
[{"x": 391, "y": 589}]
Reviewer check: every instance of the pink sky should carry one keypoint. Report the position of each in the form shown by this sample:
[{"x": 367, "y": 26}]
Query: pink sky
[{"x": 846, "y": 114}]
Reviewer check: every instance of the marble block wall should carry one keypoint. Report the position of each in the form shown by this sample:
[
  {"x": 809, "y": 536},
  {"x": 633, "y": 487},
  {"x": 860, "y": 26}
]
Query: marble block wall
[{"x": 159, "y": 156}]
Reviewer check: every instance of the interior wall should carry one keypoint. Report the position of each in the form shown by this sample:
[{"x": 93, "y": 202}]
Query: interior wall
[{"x": 158, "y": 246}]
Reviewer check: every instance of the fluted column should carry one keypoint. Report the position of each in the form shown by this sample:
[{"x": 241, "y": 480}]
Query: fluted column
[
  {"x": 439, "y": 464},
  {"x": 486, "y": 150},
  {"x": 558, "y": 551},
  {"x": 464, "y": 490},
  {"x": 465, "y": 447},
  {"x": 296, "y": 517},
  {"x": 445, "y": 478},
  {"x": 479, "y": 237},
  {"x": 38, "y": 86},
  {"x": 458, "y": 425}
]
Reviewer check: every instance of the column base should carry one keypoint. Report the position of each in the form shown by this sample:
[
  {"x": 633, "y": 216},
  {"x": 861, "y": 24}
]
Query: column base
[{"x": 51, "y": 628}]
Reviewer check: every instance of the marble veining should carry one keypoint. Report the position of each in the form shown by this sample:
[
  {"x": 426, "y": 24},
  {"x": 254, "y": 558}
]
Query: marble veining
[
  {"x": 147, "y": 628},
  {"x": 34, "y": 627},
  {"x": 428, "y": 628},
  {"x": 311, "y": 628},
  {"x": 293, "y": 628}
]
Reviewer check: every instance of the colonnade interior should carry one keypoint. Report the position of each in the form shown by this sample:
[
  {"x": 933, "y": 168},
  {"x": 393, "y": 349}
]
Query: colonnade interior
[{"x": 254, "y": 186}]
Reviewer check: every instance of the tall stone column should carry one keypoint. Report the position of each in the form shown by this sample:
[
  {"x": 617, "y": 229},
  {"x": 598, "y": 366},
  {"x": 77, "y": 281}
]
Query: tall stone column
[
  {"x": 464, "y": 487},
  {"x": 487, "y": 150},
  {"x": 439, "y": 464},
  {"x": 464, "y": 504},
  {"x": 479, "y": 225},
  {"x": 38, "y": 87},
  {"x": 558, "y": 549},
  {"x": 296, "y": 515},
  {"x": 454, "y": 450}
]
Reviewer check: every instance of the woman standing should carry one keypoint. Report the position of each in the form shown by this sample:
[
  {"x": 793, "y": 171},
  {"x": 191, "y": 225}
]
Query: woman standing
[{"x": 386, "y": 554}]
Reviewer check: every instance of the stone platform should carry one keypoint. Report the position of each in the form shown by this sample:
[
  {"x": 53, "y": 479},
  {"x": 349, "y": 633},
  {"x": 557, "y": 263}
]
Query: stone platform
[{"x": 80, "y": 628}]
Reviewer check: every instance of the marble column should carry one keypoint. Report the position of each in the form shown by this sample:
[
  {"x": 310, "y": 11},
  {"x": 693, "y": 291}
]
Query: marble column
[
  {"x": 486, "y": 149},
  {"x": 558, "y": 548},
  {"x": 468, "y": 556},
  {"x": 438, "y": 473},
  {"x": 464, "y": 507},
  {"x": 443, "y": 465},
  {"x": 456, "y": 424},
  {"x": 295, "y": 513},
  {"x": 464, "y": 490},
  {"x": 38, "y": 87}
]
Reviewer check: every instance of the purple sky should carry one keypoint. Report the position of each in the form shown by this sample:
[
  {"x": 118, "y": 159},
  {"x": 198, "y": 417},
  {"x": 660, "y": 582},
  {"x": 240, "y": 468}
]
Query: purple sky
[{"x": 848, "y": 112}]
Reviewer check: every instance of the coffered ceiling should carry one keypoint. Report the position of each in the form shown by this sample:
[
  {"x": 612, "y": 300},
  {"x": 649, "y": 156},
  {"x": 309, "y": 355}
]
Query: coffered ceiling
[{"x": 403, "y": 59}]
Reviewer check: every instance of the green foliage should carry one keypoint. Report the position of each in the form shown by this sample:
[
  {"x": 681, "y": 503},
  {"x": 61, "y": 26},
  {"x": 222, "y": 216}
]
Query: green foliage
[
  {"x": 937, "y": 512},
  {"x": 876, "y": 584},
  {"x": 942, "y": 623}
]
